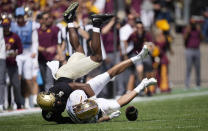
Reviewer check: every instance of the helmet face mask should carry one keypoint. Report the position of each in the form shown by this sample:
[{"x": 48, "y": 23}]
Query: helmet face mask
[
  {"x": 46, "y": 100},
  {"x": 86, "y": 110}
]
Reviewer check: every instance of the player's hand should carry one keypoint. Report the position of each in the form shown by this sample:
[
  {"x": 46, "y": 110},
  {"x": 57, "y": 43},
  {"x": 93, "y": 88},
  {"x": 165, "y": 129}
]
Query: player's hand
[
  {"x": 51, "y": 49},
  {"x": 115, "y": 114}
]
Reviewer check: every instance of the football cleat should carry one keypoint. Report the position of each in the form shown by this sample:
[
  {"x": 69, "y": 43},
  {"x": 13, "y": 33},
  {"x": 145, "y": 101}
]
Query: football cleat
[
  {"x": 151, "y": 81},
  {"x": 144, "y": 52},
  {"x": 99, "y": 19},
  {"x": 145, "y": 83},
  {"x": 69, "y": 14}
]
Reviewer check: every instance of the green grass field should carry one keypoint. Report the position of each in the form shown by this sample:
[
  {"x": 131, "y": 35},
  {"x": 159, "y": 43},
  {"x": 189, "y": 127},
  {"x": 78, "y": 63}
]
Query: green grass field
[{"x": 185, "y": 114}]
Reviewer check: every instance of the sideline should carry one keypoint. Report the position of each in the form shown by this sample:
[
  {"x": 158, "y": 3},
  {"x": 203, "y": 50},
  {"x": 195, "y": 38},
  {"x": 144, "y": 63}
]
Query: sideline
[
  {"x": 174, "y": 96},
  {"x": 20, "y": 112},
  {"x": 137, "y": 99}
]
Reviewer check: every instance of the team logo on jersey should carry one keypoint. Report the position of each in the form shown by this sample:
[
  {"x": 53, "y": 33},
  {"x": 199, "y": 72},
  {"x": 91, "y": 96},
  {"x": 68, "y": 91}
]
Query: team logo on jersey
[
  {"x": 48, "y": 30},
  {"x": 11, "y": 40},
  {"x": 5, "y": 21}
]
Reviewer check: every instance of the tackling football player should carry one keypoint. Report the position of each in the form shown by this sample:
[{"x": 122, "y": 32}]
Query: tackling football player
[
  {"x": 77, "y": 65},
  {"x": 84, "y": 110}
]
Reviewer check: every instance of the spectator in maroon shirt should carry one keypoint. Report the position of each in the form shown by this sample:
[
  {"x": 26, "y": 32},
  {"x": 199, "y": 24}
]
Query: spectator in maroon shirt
[
  {"x": 48, "y": 40},
  {"x": 109, "y": 6},
  {"x": 112, "y": 54},
  {"x": 163, "y": 43},
  {"x": 58, "y": 8},
  {"x": 192, "y": 39},
  {"x": 137, "y": 38},
  {"x": 135, "y": 7},
  {"x": 6, "y": 6},
  {"x": 13, "y": 48}
]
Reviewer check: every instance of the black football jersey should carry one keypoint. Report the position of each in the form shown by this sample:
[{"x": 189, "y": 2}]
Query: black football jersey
[
  {"x": 61, "y": 87},
  {"x": 62, "y": 90}
]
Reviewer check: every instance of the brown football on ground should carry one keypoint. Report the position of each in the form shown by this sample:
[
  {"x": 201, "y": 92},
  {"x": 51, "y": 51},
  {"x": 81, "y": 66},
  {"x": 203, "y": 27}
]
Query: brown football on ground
[{"x": 131, "y": 113}]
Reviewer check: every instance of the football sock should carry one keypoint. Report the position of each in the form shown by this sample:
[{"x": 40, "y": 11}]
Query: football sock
[
  {"x": 71, "y": 25},
  {"x": 141, "y": 86},
  {"x": 140, "y": 56},
  {"x": 96, "y": 29},
  {"x": 136, "y": 58}
]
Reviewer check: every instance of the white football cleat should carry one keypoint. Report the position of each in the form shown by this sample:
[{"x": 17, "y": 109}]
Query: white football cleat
[
  {"x": 145, "y": 83},
  {"x": 141, "y": 55},
  {"x": 151, "y": 81},
  {"x": 144, "y": 52},
  {"x": 142, "y": 85}
]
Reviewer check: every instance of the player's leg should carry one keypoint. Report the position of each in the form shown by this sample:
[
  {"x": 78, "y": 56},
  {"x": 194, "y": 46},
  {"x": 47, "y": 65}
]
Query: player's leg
[
  {"x": 13, "y": 76},
  {"x": 126, "y": 98},
  {"x": 97, "y": 21},
  {"x": 189, "y": 62},
  {"x": 19, "y": 60},
  {"x": 35, "y": 89},
  {"x": 117, "y": 69},
  {"x": 69, "y": 17},
  {"x": 28, "y": 79},
  {"x": 197, "y": 68},
  {"x": 109, "y": 106},
  {"x": 2, "y": 83},
  {"x": 98, "y": 83}
]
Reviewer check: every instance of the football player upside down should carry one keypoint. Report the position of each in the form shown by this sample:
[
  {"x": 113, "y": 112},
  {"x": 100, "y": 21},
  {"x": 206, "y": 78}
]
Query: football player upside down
[{"x": 80, "y": 98}]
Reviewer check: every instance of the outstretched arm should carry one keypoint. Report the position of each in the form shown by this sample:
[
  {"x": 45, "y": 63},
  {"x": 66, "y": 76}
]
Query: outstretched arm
[
  {"x": 111, "y": 116},
  {"x": 104, "y": 118},
  {"x": 82, "y": 86}
]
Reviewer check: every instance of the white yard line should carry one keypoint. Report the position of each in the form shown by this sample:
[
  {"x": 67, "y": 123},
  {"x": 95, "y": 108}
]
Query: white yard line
[
  {"x": 174, "y": 96},
  {"x": 20, "y": 112},
  {"x": 137, "y": 99}
]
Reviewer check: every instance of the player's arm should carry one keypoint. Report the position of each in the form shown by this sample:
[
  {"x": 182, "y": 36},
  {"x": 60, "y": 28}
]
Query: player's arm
[
  {"x": 56, "y": 117},
  {"x": 110, "y": 117},
  {"x": 104, "y": 118},
  {"x": 82, "y": 86}
]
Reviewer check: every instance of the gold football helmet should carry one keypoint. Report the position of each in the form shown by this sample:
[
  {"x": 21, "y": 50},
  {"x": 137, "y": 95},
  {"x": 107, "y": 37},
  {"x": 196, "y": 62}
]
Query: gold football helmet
[
  {"x": 86, "y": 109},
  {"x": 46, "y": 100}
]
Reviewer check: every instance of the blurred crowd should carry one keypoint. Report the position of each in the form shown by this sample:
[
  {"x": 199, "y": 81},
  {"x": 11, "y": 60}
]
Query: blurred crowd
[{"x": 34, "y": 32}]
